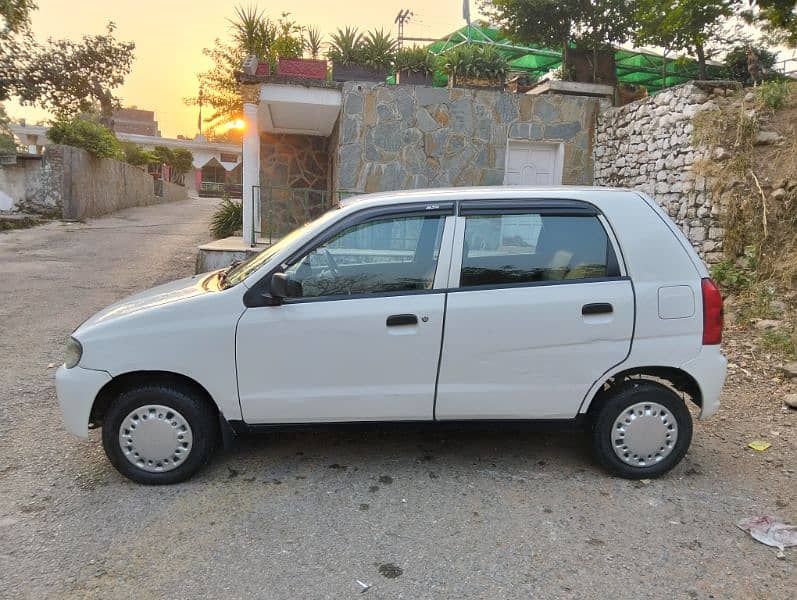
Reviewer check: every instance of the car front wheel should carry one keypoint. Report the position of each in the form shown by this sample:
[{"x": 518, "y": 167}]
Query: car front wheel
[
  {"x": 642, "y": 431},
  {"x": 159, "y": 433}
]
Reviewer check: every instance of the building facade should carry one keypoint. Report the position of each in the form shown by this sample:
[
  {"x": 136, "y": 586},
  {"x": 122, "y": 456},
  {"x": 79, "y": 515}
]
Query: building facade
[{"x": 307, "y": 145}]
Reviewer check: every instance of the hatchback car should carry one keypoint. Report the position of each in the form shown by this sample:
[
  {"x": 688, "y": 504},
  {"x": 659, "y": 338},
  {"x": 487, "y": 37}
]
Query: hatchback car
[{"x": 448, "y": 305}]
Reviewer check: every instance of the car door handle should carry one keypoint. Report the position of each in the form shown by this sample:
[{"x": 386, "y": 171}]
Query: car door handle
[
  {"x": 597, "y": 308},
  {"x": 396, "y": 320}
]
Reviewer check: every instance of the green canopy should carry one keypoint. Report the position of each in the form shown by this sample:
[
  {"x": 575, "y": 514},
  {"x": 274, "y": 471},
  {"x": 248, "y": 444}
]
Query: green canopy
[{"x": 653, "y": 71}]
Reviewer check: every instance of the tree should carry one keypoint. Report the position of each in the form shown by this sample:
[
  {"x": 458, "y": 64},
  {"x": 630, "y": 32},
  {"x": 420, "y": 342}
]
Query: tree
[
  {"x": 682, "y": 25},
  {"x": 252, "y": 33},
  {"x": 136, "y": 155},
  {"x": 69, "y": 78},
  {"x": 736, "y": 61},
  {"x": 7, "y": 143},
  {"x": 179, "y": 160},
  {"x": 778, "y": 18},
  {"x": 15, "y": 16},
  {"x": 86, "y": 133},
  {"x": 586, "y": 24}
]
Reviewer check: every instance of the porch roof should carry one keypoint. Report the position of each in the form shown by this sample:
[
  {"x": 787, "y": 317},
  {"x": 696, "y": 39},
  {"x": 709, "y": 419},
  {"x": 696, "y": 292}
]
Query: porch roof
[{"x": 298, "y": 109}]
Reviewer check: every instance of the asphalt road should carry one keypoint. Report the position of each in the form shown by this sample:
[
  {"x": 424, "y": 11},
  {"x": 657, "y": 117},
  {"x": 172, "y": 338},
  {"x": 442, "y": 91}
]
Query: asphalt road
[{"x": 413, "y": 513}]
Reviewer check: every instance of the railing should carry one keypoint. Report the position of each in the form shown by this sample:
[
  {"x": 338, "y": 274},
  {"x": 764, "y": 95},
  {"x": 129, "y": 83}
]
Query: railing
[
  {"x": 279, "y": 210},
  {"x": 211, "y": 188}
]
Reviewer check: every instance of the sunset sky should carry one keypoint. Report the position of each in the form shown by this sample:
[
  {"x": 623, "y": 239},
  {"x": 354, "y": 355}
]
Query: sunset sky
[{"x": 170, "y": 35}]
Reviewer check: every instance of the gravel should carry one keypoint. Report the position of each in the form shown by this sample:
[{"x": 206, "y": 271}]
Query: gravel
[{"x": 412, "y": 512}]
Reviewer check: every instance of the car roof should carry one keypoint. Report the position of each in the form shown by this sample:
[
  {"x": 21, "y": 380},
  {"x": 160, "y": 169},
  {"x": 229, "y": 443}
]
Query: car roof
[{"x": 587, "y": 193}]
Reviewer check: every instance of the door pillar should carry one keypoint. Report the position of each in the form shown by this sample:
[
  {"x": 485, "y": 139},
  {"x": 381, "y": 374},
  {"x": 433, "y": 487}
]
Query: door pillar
[{"x": 251, "y": 162}]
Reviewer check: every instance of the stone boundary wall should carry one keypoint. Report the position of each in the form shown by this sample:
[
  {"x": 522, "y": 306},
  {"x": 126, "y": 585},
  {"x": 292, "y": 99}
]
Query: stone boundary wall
[
  {"x": 647, "y": 145},
  {"x": 85, "y": 186},
  {"x": 20, "y": 183},
  {"x": 407, "y": 136}
]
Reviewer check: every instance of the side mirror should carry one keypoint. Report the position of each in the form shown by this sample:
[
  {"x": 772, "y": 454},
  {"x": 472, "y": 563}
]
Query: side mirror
[{"x": 283, "y": 286}]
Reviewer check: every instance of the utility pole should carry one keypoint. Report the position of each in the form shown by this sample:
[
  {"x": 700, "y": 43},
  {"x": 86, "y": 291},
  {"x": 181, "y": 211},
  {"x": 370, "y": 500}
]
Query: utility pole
[{"x": 402, "y": 17}]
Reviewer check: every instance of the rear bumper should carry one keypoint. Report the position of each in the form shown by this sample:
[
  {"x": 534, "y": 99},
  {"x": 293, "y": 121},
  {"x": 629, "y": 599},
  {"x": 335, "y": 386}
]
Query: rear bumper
[
  {"x": 709, "y": 370},
  {"x": 76, "y": 389}
]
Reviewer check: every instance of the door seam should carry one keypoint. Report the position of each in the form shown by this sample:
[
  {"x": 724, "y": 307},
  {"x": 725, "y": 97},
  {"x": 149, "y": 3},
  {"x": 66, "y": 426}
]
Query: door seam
[{"x": 440, "y": 356}]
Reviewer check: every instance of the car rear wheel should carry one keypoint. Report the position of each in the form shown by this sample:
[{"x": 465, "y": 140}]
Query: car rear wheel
[
  {"x": 159, "y": 433},
  {"x": 642, "y": 431}
]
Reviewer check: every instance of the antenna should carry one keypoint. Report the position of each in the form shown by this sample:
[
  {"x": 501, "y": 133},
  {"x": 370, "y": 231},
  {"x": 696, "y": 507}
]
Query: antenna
[{"x": 402, "y": 17}]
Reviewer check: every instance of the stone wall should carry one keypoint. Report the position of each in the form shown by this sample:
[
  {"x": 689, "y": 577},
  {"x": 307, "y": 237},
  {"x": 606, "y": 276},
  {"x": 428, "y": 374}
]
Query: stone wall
[
  {"x": 86, "y": 186},
  {"x": 20, "y": 184},
  {"x": 647, "y": 145},
  {"x": 406, "y": 136},
  {"x": 295, "y": 161},
  {"x": 71, "y": 183}
]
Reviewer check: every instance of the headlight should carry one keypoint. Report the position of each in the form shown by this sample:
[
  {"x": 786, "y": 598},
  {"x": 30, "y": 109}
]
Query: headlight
[{"x": 73, "y": 353}]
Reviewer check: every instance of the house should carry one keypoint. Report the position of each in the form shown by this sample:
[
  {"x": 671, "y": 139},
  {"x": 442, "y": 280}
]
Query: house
[{"x": 309, "y": 143}]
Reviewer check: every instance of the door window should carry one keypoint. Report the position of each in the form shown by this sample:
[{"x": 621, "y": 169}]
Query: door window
[
  {"x": 527, "y": 248},
  {"x": 386, "y": 255}
]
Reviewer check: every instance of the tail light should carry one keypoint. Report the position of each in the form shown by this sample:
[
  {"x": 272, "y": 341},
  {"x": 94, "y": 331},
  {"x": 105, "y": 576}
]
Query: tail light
[{"x": 712, "y": 312}]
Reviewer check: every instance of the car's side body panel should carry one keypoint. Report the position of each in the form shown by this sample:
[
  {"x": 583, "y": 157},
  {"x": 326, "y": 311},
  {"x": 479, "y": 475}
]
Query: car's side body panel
[
  {"x": 193, "y": 336},
  {"x": 529, "y": 352},
  {"x": 338, "y": 361},
  {"x": 657, "y": 258}
]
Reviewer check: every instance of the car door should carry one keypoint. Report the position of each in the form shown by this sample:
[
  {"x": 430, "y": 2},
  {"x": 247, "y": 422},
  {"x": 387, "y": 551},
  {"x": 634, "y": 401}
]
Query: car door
[
  {"x": 360, "y": 340},
  {"x": 539, "y": 309}
]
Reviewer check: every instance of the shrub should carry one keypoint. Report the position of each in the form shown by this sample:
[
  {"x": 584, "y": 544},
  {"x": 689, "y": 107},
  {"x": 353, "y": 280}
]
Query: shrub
[
  {"x": 346, "y": 47},
  {"x": 136, "y": 155},
  {"x": 378, "y": 50},
  {"x": 774, "y": 94},
  {"x": 88, "y": 135},
  {"x": 415, "y": 60},
  {"x": 474, "y": 62},
  {"x": 227, "y": 219},
  {"x": 734, "y": 276}
]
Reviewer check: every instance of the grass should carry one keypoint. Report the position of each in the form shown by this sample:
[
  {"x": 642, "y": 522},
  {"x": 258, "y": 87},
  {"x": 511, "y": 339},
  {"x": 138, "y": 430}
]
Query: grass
[
  {"x": 8, "y": 224},
  {"x": 780, "y": 342}
]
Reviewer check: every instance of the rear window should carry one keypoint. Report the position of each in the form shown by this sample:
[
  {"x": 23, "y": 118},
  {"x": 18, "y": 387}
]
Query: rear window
[{"x": 528, "y": 248}]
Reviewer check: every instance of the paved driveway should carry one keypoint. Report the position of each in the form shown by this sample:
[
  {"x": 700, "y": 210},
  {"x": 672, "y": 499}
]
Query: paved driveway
[{"x": 413, "y": 513}]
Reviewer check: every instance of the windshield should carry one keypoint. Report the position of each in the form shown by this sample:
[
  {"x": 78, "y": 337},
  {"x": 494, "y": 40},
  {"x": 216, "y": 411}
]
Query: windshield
[{"x": 243, "y": 270}]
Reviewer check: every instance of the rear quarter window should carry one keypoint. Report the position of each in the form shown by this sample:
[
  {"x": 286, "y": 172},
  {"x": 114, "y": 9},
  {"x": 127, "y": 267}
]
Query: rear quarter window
[{"x": 528, "y": 248}]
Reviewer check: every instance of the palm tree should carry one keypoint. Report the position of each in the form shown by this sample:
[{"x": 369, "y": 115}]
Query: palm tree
[
  {"x": 346, "y": 46},
  {"x": 252, "y": 31},
  {"x": 313, "y": 41}
]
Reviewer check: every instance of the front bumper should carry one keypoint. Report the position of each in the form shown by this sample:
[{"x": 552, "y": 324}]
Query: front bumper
[
  {"x": 76, "y": 389},
  {"x": 709, "y": 370}
]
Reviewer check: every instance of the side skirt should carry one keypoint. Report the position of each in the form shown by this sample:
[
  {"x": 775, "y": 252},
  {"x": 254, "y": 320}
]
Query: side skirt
[{"x": 530, "y": 425}]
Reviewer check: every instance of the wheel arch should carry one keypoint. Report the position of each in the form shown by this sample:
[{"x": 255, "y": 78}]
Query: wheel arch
[
  {"x": 674, "y": 378},
  {"x": 126, "y": 380}
]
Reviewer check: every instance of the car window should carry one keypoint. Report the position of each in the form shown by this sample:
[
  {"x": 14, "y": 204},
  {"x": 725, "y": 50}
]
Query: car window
[
  {"x": 384, "y": 255},
  {"x": 526, "y": 248}
]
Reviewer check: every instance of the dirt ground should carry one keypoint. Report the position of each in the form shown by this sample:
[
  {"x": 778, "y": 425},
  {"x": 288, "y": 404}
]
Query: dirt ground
[{"x": 412, "y": 513}]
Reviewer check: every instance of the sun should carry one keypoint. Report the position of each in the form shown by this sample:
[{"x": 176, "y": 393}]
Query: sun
[{"x": 236, "y": 124}]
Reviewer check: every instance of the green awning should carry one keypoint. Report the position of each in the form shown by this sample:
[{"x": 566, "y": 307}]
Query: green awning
[{"x": 653, "y": 71}]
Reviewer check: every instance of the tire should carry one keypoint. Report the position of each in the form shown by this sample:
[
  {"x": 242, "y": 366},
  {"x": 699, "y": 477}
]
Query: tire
[
  {"x": 651, "y": 453},
  {"x": 182, "y": 434}
]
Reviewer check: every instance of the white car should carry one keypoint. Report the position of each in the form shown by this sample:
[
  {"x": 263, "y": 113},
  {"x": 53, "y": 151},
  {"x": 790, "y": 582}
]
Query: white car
[{"x": 448, "y": 305}]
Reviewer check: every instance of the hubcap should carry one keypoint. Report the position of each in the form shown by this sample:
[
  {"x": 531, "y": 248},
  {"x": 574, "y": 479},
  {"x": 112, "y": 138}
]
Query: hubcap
[
  {"x": 644, "y": 434},
  {"x": 155, "y": 438}
]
